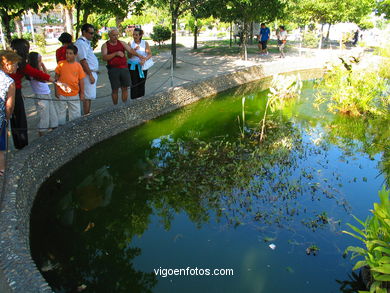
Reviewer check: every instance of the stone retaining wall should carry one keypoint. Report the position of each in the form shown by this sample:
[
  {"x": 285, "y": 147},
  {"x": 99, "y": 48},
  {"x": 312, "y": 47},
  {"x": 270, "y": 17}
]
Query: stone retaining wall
[{"x": 30, "y": 167}]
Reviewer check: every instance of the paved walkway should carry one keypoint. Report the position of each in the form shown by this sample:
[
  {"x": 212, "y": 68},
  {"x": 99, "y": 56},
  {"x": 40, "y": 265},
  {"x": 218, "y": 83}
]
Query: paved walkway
[{"x": 190, "y": 67}]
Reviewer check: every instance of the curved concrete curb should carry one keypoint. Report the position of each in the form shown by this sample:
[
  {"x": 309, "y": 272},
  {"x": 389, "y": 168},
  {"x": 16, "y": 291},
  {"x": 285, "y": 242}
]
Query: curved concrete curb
[{"x": 30, "y": 167}]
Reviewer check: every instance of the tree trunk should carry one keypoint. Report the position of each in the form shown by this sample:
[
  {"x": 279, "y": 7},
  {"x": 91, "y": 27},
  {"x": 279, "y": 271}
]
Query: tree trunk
[
  {"x": 231, "y": 35},
  {"x": 321, "y": 36},
  {"x": 69, "y": 19},
  {"x": 196, "y": 34},
  {"x": 244, "y": 52},
  {"x": 118, "y": 20},
  {"x": 78, "y": 10},
  {"x": 6, "y": 20},
  {"x": 251, "y": 34},
  {"x": 32, "y": 26},
  {"x": 19, "y": 26},
  {"x": 327, "y": 34},
  {"x": 85, "y": 16},
  {"x": 2, "y": 36},
  {"x": 173, "y": 43}
]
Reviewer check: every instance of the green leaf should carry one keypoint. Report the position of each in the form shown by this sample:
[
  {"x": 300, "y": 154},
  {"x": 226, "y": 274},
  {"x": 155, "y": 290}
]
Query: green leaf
[
  {"x": 359, "y": 264},
  {"x": 384, "y": 269},
  {"x": 356, "y": 249},
  {"x": 353, "y": 235},
  {"x": 384, "y": 260},
  {"x": 383, "y": 249},
  {"x": 383, "y": 278},
  {"x": 359, "y": 221},
  {"x": 357, "y": 230},
  {"x": 380, "y": 242}
]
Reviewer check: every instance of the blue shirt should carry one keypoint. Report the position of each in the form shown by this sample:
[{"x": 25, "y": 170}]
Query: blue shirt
[{"x": 264, "y": 33}]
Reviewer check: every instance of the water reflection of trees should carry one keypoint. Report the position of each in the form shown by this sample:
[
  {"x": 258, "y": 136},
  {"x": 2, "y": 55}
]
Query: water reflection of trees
[
  {"x": 369, "y": 135},
  {"x": 227, "y": 178},
  {"x": 238, "y": 179},
  {"x": 80, "y": 247}
]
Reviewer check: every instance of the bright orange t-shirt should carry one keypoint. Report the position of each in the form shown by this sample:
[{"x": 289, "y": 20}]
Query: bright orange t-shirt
[{"x": 71, "y": 74}]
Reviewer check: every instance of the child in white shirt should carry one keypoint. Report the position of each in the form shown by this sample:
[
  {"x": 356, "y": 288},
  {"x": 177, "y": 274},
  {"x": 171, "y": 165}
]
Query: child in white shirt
[{"x": 45, "y": 106}]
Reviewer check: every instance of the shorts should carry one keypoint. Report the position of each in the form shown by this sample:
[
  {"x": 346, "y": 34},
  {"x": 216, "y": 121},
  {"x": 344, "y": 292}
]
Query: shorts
[
  {"x": 3, "y": 136},
  {"x": 90, "y": 89},
  {"x": 119, "y": 77},
  {"x": 263, "y": 44}
]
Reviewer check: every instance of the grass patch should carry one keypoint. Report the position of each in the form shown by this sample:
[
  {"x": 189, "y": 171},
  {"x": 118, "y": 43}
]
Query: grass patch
[{"x": 221, "y": 48}]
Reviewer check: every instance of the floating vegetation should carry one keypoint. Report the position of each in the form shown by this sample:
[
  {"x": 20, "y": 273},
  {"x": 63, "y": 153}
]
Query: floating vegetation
[
  {"x": 319, "y": 221},
  {"x": 312, "y": 250},
  {"x": 240, "y": 180},
  {"x": 201, "y": 184}
]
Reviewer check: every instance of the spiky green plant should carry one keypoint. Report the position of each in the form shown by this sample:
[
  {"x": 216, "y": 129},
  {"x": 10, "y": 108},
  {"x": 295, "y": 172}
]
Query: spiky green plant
[{"x": 376, "y": 237}]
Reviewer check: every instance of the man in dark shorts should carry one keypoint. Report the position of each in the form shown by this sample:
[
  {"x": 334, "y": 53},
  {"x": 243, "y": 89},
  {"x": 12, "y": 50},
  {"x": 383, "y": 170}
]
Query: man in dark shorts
[
  {"x": 113, "y": 51},
  {"x": 263, "y": 39}
]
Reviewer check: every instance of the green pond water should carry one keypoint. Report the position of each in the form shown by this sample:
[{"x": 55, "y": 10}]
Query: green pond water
[{"x": 195, "y": 189}]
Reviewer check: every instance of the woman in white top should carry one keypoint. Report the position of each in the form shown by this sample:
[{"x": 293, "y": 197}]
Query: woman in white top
[
  {"x": 47, "y": 113},
  {"x": 282, "y": 39},
  {"x": 139, "y": 69}
]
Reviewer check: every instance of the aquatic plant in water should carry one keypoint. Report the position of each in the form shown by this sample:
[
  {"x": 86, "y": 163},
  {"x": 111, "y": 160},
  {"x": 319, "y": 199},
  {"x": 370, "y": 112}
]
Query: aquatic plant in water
[
  {"x": 376, "y": 237},
  {"x": 238, "y": 179},
  {"x": 283, "y": 88},
  {"x": 354, "y": 90}
]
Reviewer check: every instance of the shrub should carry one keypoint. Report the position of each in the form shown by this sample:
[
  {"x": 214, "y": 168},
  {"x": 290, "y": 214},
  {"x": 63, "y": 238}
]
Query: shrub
[
  {"x": 27, "y": 36},
  {"x": 160, "y": 34},
  {"x": 105, "y": 36},
  {"x": 384, "y": 66},
  {"x": 376, "y": 237},
  {"x": 354, "y": 91},
  {"x": 40, "y": 41},
  {"x": 221, "y": 35},
  {"x": 310, "y": 39},
  {"x": 347, "y": 37},
  {"x": 95, "y": 40}
]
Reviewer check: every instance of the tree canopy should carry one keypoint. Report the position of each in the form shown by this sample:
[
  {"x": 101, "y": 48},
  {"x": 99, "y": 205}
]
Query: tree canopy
[{"x": 11, "y": 9}]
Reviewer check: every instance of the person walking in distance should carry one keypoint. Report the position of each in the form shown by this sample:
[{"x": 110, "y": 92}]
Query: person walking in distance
[
  {"x": 282, "y": 39},
  {"x": 263, "y": 39},
  {"x": 90, "y": 65},
  {"x": 113, "y": 51}
]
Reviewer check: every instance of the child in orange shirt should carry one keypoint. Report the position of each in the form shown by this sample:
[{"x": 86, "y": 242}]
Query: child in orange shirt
[{"x": 70, "y": 72}]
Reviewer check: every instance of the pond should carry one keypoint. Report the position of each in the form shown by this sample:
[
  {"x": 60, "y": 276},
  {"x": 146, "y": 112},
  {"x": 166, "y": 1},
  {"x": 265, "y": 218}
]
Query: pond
[{"x": 196, "y": 191}]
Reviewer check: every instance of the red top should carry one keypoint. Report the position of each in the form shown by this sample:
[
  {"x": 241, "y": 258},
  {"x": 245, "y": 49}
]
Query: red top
[
  {"x": 30, "y": 71},
  {"x": 116, "y": 62},
  {"x": 61, "y": 53}
]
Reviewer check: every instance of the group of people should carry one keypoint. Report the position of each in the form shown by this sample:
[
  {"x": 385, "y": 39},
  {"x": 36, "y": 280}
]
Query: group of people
[
  {"x": 264, "y": 36},
  {"x": 75, "y": 80}
]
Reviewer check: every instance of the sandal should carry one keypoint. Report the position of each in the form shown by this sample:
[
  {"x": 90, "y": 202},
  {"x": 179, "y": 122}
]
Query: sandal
[{"x": 1, "y": 173}]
